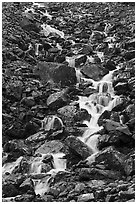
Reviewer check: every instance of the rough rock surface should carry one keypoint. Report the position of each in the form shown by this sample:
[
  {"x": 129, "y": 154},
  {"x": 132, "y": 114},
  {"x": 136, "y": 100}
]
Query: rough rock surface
[{"x": 56, "y": 90}]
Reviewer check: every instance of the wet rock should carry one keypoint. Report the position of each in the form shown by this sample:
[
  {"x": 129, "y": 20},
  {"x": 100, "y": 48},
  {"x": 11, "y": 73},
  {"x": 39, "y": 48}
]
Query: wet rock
[
  {"x": 53, "y": 191},
  {"x": 99, "y": 195},
  {"x": 86, "y": 49},
  {"x": 58, "y": 73},
  {"x": 80, "y": 187},
  {"x": 18, "y": 166},
  {"x": 28, "y": 101},
  {"x": 27, "y": 25},
  {"x": 94, "y": 71},
  {"x": 86, "y": 197},
  {"x": 25, "y": 198},
  {"x": 15, "y": 131},
  {"x": 53, "y": 146},
  {"x": 53, "y": 123},
  {"x": 121, "y": 88},
  {"x": 78, "y": 147},
  {"x": 18, "y": 147},
  {"x": 112, "y": 158},
  {"x": 127, "y": 195},
  {"x": 48, "y": 198},
  {"x": 112, "y": 125},
  {"x": 86, "y": 174},
  {"x": 110, "y": 65},
  {"x": 105, "y": 115},
  {"x": 71, "y": 114},
  {"x": 130, "y": 44},
  {"x": 57, "y": 100},
  {"x": 31, "y": 128},
  {"x": 67, "y": 113},
  {"x": 9, "y": 190},
  {"x": 80, "y": 60},
  {"x": 39, "y": 136},
  {"x": 111, "y": 198},
  {"x": 129, "y": 166},
  {"x": 104, "y": 141},
  {"x": 14, "y": 88},
  {"x": 115, "y": 116},
  {"x": 128, "y": 55},
  {"x": 27, "y": 185}
]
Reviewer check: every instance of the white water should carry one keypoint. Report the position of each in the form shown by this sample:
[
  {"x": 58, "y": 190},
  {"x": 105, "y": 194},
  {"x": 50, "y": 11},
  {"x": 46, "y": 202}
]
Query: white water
[
  {"x": 10, "y": 167},
  {"x": 59, "y": 164},
  {"x": 95, "y": 105}
]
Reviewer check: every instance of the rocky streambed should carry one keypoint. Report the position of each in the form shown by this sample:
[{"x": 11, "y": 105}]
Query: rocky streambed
[{"x": 68, "y": 102}]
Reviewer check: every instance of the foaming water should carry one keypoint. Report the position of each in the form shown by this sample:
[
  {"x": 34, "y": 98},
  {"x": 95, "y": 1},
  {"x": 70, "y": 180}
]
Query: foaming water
[
  {"x": 95, "y": 105},
  {"x": 41, "y": 186}
]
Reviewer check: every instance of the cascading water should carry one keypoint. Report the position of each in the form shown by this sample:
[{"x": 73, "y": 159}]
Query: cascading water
[
  {"x": 59, "y": 164},
  {"x": 95, "y": 105}
]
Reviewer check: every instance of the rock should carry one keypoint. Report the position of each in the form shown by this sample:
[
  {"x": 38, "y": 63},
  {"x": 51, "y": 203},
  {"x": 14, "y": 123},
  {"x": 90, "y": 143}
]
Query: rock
[
  {"x": 127, "y": 195},
  {"x": 14, "y": 88},
  {"x": 128, "y": 55},
  {"x": 99, "y": 194},
  {"x": 27, "y": 25},
  {"x": 121, "y": 88},
  {"x": 112, "y": 125},
  {"x": 53, "y": 123},
  {"x": 16, "y": 131},
  {"x": 58, "y": 73},
  {"x": 54, "y": 50},
  {"x": 30, "y": 128},
  {"x": 111, "y": 198},
  {"x": 9, "y": 190},
  {"x": 80, "y": 60},
  {"x": 78, "y": 147},
  {"x": 71, "y": 114},
  {"x": 67, "y": 114},
  {"x": 115, "y": 116},
  {"x": 53, "y": 191},
  {"x": 129, "y": 166},
  {"x": 104, "y": 141},
  {"x": 86, "y": 174},
  {"x": 86, "y": 49},
  {"x": 28, "y": 101},
  {"x": 20, "y": 165},
  {"x": 17, "y": 146},
  {"x": 48, "y": 198},
  {"x": 105, "y": 115},
  {"x": 25, "y": 198},
  {"x": 94, "y": 71},
  {"x": 96, "y": 184},
  {"x": 87, "y": 197},
  {"x": 130, "y": 44},
  {"x": 27, "y": 185},
  {"x": 57, "y": 100},
  {"x": 112, "y": 158},
  {"x": 79, "y": 187},
  {"x": 122, "y": 187},
  {"x": 53, "y": 146},
  {"x": 110, "y": 65}
]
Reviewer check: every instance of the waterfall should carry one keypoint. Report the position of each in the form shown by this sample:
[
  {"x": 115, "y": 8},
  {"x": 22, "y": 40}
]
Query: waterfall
[
  {"x": 95, "y": 105},
  {"x": 59, "y": 164}
]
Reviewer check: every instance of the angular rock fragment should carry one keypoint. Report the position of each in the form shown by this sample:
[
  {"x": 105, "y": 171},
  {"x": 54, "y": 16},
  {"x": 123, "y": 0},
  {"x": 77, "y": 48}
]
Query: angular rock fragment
[{"x": 78, "y": 147}]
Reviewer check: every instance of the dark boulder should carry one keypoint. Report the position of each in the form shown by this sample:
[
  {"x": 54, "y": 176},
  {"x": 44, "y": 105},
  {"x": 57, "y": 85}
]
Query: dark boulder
[
  {"x": 61, "y": 74},
  {"x": 57, "y": 100},
  {"x": 94, "y": 71},
  {"x": 78, "y": 147}
]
